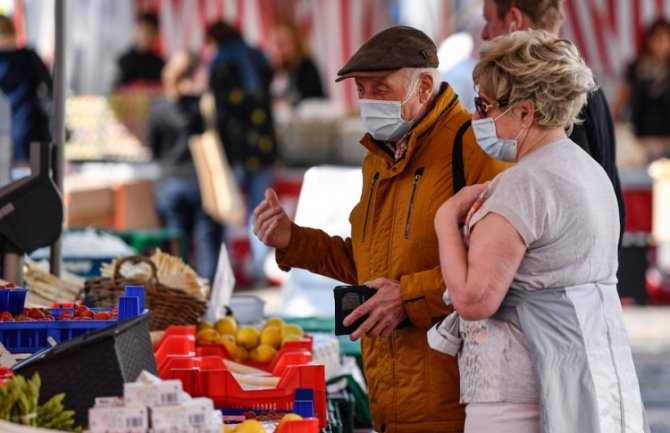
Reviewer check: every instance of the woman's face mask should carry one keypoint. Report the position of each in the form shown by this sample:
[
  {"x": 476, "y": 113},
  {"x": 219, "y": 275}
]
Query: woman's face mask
[
  {"x": 382, "y": 119},
  {"x": 487, "y": 138}
]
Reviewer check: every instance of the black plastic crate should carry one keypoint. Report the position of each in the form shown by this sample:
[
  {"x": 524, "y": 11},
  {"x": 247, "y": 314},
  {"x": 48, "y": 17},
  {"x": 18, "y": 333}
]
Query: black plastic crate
[
  {"x": 344, "y": 401},
  {"x": 334, "y": 422},
  {"x": 93, "y": 365}
]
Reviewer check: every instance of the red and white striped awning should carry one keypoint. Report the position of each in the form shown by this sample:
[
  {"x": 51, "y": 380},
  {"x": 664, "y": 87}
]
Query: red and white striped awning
[
  {"x": 336, "y": 28},
  {"x": 608, "y": 31}
]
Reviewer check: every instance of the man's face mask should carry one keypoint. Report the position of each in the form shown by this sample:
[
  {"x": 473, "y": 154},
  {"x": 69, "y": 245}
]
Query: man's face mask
[{"x": 382, "y": 119}]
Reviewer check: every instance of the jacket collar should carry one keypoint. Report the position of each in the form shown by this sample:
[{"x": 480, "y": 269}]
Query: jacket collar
[{"x": 444, "y": 103}]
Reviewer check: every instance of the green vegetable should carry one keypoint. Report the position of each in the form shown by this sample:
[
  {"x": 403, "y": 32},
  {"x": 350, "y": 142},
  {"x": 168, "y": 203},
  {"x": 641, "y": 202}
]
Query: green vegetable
[{"x": 19, "y": 404}]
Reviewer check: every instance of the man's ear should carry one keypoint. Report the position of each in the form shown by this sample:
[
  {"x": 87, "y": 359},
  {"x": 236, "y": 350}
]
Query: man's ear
[
  {"x": 516, "y": 19},
  {"x": 425, "y": 87}
]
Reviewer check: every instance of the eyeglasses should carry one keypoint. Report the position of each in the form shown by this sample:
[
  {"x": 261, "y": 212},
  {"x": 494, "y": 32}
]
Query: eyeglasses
[{"x": 483, "y": 107}]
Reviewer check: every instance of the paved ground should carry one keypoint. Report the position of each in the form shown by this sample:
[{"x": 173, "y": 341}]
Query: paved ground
[{"x": 649, "y": 330}]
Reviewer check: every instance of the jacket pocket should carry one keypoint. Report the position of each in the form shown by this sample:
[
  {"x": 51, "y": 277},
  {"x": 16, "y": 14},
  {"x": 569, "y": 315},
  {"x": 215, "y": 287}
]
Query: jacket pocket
[
  {"x": 373, "y": 184},
  {"x": 415, "y": 186}
]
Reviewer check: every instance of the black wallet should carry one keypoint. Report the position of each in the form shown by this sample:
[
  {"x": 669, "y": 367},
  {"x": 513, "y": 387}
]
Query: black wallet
[{"x": 347, "y": 298}]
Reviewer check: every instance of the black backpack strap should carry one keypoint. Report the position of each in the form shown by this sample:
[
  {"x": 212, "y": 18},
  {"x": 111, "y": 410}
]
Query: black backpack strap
[{"x": 457, "y": 168}]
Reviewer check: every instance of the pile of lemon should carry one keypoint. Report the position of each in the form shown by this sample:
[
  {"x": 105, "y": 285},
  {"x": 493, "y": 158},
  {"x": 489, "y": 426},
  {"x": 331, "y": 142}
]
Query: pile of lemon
[
  {"x": 254, "y": 426},
  {"x": 248, "y": 343}
]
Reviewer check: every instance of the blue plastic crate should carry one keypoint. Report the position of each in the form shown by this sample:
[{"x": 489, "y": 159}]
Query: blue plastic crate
[
  {"x": 30, "y": 337},
  {"x": 13, "y": 300}
]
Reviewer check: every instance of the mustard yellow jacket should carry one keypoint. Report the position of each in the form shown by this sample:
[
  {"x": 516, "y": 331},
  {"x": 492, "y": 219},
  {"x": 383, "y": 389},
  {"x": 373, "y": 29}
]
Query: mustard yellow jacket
[{"x": 411, "y": 387}]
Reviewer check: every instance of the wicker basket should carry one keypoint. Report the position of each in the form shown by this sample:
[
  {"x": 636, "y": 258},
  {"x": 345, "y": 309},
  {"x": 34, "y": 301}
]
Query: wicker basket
[{"x": 168, "y": 306}]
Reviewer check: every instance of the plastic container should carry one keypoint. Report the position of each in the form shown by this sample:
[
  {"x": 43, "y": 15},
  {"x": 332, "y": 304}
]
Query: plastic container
[
  {"x": 310, "y": 425},
  {"x": 204, "y": 377},
  {"x": 180, "y": 341},
  {"x": 94, "y": 364},
  {"x": 13, "y": 300},
  {"x": 247, "y": 308},
  {"x": 29, "y": 337}
]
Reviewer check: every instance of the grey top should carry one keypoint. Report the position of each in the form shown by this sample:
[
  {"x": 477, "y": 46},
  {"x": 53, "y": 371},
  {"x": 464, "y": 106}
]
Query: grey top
[{"x": 563, "y": 206}]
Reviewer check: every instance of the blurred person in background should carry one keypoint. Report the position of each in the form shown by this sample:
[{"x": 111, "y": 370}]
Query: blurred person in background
[
  {"x": 26, "y": 83},
  {"x": 140, "y": 65},
  {"x": 240, "y": 78},
  {"x": 297, "y": 76},
  {"x": 173, "y": 120},
  {"x": 645, "y": 90},
  {"x": 458, "y": 52},
  {"x": 596, "y": 134}
]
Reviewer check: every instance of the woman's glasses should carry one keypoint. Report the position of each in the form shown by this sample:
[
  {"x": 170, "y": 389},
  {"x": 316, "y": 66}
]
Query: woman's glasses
[{"x": 483, "y": 107}]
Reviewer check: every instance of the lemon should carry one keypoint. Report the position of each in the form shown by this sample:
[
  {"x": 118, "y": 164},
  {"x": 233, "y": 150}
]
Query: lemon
[
  {"x": 250, "y": 426},
  {"x": 288, "y": 417},
  {"x": 203, "y": 325},
  {"x": 248, "y": 336},
  {"x": 228, "y": 429},
  {"x": 274, "y": 321},
  {"x": 226, "y": 325},
  {"x": 207, "y": 336},
  {"x": 241, "y": 353},
  {"x": 228, "y": 341},
  {"x": 271, "y": 335},
  {"x": 292, "y": 329},
  {"x": 263, "y": 353},
  {"x": 290, "y": 337}
]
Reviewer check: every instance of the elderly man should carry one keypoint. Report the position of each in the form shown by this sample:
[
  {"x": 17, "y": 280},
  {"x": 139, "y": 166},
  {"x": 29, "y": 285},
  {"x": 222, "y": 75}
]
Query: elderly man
[
  {"x": 596, "y": 134},
  {"x": 420, "y": 149}
]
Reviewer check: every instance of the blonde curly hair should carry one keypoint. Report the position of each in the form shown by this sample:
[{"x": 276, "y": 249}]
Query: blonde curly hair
[{"x": 536, "y": 65}]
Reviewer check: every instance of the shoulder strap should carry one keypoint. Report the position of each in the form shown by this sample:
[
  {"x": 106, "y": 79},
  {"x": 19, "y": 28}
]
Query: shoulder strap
[{"x": 457, "y": 166}]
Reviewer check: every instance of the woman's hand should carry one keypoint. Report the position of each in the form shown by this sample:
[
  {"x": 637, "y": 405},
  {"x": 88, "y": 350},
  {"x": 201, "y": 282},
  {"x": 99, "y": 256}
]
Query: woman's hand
[{"x": 458, "y": 206}]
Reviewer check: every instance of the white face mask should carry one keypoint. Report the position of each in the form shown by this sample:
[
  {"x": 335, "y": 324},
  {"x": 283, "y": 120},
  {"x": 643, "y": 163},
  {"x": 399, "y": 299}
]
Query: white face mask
[
  {"x": 382, "y": 119},
  {"x": 487, "y": 138}
]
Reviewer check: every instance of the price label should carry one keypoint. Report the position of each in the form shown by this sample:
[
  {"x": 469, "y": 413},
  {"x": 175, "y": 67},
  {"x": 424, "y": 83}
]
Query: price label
[
  {"x": 6, "y": 358},
  {"x": 169, "y": 398}
]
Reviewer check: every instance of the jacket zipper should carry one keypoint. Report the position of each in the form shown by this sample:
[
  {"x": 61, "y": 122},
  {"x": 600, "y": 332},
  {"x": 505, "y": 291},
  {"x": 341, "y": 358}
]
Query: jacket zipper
[
  {"x": 367, "y": 211},
  {"x": 417, "y": 176}
]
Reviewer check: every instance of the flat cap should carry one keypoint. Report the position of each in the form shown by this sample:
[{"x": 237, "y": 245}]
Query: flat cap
[{"x": 389, "y": 50}]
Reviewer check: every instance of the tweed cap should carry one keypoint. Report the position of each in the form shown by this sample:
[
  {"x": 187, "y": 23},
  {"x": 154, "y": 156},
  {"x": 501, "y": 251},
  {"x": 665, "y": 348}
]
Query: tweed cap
[{"x": 389, "y": 50}]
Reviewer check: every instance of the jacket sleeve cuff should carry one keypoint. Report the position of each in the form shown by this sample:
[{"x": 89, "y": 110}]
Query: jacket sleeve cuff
[{"x": 286, "y": 257}]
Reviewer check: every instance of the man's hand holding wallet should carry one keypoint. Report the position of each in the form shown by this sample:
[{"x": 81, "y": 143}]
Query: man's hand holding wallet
[{"x": 378, "y": 309}]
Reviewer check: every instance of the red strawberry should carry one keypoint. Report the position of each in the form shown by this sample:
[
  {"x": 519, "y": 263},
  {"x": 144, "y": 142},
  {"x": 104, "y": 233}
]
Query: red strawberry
[
  {"x": 102, "y": 315},
  {"x": 36, "y": 314},
  {"x": 80, "y": 310},
  {"x": 65, "y": 315}
]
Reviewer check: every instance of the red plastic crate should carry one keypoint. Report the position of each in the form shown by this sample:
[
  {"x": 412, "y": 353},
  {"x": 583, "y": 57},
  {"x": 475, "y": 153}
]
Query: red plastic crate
[
  {"x": 308, "y": 425},
  {"x": 180, "y": 341},
  {"x": 174, "y": 345},
  {"x": 291, "y": 353},
  {"x": 220, "y": 385},
  {"x": 207, "y": 376}
]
